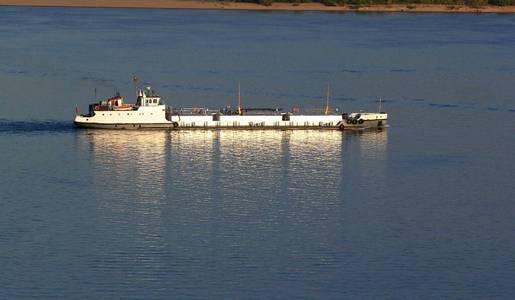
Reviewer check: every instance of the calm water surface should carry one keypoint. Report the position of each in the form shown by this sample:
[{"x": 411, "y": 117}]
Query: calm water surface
[{"x": 423, "y": 209}]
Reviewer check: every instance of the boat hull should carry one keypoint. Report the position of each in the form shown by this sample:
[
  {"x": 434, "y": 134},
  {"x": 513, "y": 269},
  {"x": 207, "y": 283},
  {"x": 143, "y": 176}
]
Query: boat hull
[{"x": 176, "y": 126}]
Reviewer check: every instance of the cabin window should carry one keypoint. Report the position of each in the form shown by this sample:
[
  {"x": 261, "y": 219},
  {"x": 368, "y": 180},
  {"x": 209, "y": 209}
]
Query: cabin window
[
  {"x": 102, "y": 114},
  {"x": 128, "y": 114}
]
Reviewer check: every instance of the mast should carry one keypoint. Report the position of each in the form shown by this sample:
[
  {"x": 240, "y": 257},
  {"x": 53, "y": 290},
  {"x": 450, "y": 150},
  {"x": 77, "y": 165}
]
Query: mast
[
  {"x": 326, "y": 110},
  {"x": 239, "y": 99},
  {"x": 380, "y": 105},
  {"x": 135, "y": 83}
]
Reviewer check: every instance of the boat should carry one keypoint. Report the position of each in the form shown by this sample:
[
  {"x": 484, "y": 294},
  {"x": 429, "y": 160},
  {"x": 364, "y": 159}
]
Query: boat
[{"x": 150, "y": 112}]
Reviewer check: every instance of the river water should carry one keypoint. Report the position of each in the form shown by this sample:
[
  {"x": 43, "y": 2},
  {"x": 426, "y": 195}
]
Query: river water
[{"x": 423, "y": 209}]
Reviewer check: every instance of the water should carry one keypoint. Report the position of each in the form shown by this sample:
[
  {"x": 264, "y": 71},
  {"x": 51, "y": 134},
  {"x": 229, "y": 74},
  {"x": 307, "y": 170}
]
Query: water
[{"x": 423, "y": 209}]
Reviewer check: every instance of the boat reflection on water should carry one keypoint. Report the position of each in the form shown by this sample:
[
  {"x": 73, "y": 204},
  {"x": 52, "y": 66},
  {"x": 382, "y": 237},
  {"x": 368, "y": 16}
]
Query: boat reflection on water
[
  {"x": 201, "y": 175},
  {"x": 123, "y": 161},
  {"x": 158, "y": 165},
  {"x": 128, "y": 173},
  {"x": 198, "y": 190}
]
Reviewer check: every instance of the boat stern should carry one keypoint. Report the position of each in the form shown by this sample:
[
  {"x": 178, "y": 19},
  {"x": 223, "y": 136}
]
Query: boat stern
[{"x": 361, "y": 120}]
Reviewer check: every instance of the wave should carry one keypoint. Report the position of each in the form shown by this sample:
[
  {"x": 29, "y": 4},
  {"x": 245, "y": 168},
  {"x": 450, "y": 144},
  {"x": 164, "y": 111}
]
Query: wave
[
  {"x": 29, "y": 127},
  {"x": 352, "y": 71},
  {"x": 402, "y": 70},
  {"x": 444, "y": 105}
]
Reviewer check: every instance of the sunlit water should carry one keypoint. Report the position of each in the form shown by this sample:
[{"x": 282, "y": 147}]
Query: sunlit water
[{"x": 423, "y": 209}]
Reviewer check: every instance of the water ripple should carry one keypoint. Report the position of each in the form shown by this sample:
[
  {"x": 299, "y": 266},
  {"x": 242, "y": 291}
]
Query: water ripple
[{"x": 28, "y": 127}]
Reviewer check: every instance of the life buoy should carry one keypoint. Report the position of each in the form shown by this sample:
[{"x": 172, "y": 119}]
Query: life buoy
[
  {"x": 175, "y": 124},
  {"x": 360, "y": 121},
  {"x": 342, "y": 127},
  {"x": 354, "y": 122},
  {"x": 349, "y": 121}
]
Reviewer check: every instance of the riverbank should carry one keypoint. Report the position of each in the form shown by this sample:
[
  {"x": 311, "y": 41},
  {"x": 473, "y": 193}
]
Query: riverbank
[{"x": 194, "y": 4}]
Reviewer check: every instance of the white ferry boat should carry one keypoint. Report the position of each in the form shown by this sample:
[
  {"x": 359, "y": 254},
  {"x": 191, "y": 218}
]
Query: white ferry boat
[{"x": 150, "y": 112}]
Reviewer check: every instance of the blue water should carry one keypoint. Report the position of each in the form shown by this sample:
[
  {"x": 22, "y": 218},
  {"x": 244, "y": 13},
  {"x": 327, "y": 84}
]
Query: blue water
[{"x": 423, "y": 209}]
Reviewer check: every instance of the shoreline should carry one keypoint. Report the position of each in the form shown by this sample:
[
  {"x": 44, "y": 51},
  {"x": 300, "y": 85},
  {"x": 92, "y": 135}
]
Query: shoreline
[{"x": 295, "y": 7}]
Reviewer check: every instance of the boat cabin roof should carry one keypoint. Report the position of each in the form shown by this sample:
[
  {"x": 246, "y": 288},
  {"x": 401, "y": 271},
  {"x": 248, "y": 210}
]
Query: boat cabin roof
[{"x": 148, "y": 97}]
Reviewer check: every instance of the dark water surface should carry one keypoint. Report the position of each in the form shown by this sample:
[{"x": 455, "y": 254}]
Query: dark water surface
[{"x": 424, "y": 209}]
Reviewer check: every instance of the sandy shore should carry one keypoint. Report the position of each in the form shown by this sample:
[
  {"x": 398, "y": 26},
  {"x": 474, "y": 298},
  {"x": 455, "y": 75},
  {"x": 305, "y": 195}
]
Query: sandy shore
[{"x": 196, "y": 4}]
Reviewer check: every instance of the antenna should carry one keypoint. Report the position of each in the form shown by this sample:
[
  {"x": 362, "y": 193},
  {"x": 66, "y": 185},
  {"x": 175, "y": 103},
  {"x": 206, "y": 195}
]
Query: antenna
[
  {"x": 95, "y": 94},
  {"x": 135, "y": 82},
  {"x": 326, "y": 110},
  {"x": 380, "y": 104},
  {"x": 239, "y": 99}
]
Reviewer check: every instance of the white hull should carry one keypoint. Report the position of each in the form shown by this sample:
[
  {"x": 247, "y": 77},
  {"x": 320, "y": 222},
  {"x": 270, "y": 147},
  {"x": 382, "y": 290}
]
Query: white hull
[{"x": 138, "y": 119}]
